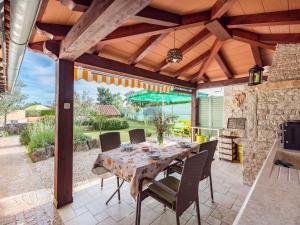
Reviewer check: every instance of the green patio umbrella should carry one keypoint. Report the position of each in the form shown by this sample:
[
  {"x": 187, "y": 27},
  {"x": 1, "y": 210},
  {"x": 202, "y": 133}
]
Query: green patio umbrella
[{"x": 163, "y": 97}]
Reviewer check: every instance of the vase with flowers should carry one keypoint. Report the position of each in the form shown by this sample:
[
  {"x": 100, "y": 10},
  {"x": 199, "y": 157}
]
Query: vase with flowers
[{"x": 162, "y": 123}]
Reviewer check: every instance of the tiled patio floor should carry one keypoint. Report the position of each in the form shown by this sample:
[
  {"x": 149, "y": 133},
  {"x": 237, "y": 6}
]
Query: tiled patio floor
[
  {"x": 89, "y": 202},
  {"x": 23, "y": 198}
]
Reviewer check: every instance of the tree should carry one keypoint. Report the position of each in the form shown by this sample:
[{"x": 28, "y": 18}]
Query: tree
[
  {"x": 11, "y": 101},
  {"x": 84, "y": 107},
  {"x": 105, "y": 97}
]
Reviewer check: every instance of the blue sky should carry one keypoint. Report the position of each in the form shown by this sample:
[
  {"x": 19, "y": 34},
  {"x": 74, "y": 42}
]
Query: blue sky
[{"x": 38, "y": 74}]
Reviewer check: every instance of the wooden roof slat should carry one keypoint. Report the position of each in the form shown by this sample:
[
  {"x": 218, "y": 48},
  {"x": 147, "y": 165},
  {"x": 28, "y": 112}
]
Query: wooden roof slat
[
  {"x": 103, "y": 64},
  {"x": 192, "y": 64},
  {"x": 223, "y": 65},
  {"x": 250, "y": 38},
  {"x": 218, "y": 29},
  {"x": 101, "y": 18},
  {"x": 265, "y": 19},
  {"x": 156, "y": 16},
  {"x": 151, "y": 43},
  {"x": 221, "y": 7},
  {"x": 214, "y": 50},
  {"x": 186, "y": 47},
  {"x": 256, "y": 55}
]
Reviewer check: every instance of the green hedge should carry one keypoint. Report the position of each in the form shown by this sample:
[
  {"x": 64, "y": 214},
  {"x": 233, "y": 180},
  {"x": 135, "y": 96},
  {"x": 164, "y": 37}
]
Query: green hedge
[
  {"x": 48, "y": 112},
  {"x": 111, "y": 124}
]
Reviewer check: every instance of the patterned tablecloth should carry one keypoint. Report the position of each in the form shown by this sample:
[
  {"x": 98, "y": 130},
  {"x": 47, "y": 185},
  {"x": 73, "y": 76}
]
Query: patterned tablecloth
[{"x": 134, "y": 165}]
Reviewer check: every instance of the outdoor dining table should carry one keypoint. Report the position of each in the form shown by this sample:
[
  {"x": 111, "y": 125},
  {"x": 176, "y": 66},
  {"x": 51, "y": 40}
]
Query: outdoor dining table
[{"x": 132, "y": 166}]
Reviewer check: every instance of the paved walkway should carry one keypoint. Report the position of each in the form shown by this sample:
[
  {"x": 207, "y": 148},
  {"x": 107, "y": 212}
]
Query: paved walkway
[{"x": 23, "y": 200}]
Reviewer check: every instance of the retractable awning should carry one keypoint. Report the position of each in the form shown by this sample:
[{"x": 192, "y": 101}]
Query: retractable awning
[{"x": 100, "y": 77}]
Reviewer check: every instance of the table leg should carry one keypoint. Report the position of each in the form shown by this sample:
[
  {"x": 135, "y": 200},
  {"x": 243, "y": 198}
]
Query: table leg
[{"x": 116, "y": 191}]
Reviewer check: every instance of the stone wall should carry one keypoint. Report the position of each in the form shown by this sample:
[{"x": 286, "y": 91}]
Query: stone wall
[{"x": 265, "y": 107}]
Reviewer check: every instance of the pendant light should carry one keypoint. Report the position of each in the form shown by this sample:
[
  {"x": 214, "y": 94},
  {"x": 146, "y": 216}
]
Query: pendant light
[{"x": 174, "y": 55}]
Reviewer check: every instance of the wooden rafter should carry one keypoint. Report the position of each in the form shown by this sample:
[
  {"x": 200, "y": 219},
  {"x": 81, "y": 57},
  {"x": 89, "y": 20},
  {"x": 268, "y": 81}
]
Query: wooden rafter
[
  {"x": 151, "y": 43},
  {"x": 250, "y": 38},
  {"x": 108, "y": 65},
  {"x": 256, "y": 55},
  {"x": 157, "y": 16},
  {"x": 186, "y": 47},
  {"x": 192, "y": 64},
  {"x": 223, "y": 65},
  {"x": 77, "y": 5},
  {"x": 214, "y": 50},
  {"x": 218, "y": 29},
  {"x": 101, "y": 18},
  {"x": 53, "y": 31},
  {"x": 265, "y": 19},
  {"x": 221, "y": 7},
  {"x": 227, "y": 82},
  {"x": 280, "y": 38}
]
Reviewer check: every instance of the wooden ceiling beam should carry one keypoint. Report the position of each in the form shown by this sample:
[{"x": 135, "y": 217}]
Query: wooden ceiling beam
[
  {"x": 265, "y": 19},
  {"x": 213, "y": 52},
  {"x": 151, "y": 43},
  {"x": 220, "y": 8},
  {"x": 218, "y": 29},
  {"x": 53, "y": 31},
  {"x": 101, "y": 18},
  {"x": 50, "y": 48},
  {"x": 77, "y": 5},
  {"x": 256, "y": 55},
  {"x": 250, "y": 38},
  {"x": 227, "y": 82},
  {"x": 280, "y": 38},
  {"x": 147, "y": 15},
  {"x": 186, "y": 47},
  {"x": 108, "y": 65},
  {"x": 145, "y": 30},
  {"x": 158, "y": 17},
  {"x": 223, "y": 65},
  {"x": 192, "y": 64}
]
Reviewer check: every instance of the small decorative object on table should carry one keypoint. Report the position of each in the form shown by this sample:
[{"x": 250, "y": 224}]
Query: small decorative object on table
[{"x": 127, "y": 147}]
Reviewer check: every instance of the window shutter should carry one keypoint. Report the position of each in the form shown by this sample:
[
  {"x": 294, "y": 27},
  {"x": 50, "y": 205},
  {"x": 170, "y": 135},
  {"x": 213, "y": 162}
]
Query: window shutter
[
  {"x": 217, "y": 110},
  {"x": 204, "y": 112}
]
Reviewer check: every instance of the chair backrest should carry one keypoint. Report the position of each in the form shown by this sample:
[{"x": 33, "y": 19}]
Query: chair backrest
[
  {"x": 109, "y": 141},
  {"x": 210, "y": 146},
  {"x": 137, "y": 136},
  {"x": 191, "y": 176}
]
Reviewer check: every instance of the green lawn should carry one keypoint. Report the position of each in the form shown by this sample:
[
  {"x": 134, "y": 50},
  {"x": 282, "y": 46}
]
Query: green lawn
[{"x": 123, "y": 132}]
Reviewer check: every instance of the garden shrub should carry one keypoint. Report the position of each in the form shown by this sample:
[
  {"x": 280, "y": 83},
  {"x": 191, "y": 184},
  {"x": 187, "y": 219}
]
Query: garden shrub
[
  {"x": 25, "y": 137},
  {"x": 115, "y": 124},
  {"x": 149, "y": 133},
  {"x": 47, "y": 112},
  {"x": 79, "y": 137}
]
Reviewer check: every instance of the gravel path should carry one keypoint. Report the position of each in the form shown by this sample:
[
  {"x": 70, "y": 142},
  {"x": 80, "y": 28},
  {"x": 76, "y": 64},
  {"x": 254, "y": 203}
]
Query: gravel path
[{"x": 82, "y": 165}]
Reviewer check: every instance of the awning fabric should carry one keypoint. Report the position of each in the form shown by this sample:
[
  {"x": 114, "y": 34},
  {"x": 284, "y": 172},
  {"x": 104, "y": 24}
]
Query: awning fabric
[{"x": 89, "y": 75}]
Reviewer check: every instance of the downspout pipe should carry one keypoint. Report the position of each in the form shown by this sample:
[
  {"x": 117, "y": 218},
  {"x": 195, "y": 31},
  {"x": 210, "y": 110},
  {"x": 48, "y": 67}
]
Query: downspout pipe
[{"x": 23, "y": 15}]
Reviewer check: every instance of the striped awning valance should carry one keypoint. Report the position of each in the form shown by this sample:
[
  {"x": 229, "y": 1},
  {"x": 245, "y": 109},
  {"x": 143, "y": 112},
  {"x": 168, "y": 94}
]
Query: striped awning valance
[{"x": 90, "y": 75}]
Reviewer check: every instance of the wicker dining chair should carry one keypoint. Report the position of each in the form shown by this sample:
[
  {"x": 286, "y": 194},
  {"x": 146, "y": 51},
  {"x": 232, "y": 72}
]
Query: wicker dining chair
[
  {"x": 210, "y": 146},
  {"x": 109, "y": 141},
  {"x": 178, "y": 195},
  {"x": 137, "y": 136}
]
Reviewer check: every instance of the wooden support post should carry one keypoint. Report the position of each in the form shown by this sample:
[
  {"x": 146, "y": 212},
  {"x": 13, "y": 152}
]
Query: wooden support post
[
  {"x": 63, "y": 169},
  {"x": 195, "y": 113}
]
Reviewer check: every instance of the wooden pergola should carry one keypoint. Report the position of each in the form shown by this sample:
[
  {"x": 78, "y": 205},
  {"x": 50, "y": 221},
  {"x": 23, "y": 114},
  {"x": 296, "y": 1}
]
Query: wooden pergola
[{"x": 220, "y": 40}]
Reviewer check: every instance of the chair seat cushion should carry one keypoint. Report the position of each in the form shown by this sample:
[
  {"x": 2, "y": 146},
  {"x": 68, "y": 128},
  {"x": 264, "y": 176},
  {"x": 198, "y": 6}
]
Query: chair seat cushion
[
  {"x": 176, "y": 168},
  {"x": 169, "y": 181}
]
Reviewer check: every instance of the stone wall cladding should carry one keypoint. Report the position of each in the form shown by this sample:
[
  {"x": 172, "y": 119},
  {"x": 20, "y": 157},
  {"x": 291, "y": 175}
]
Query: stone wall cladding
[
  {"x": 286, "y": 63},
  {"x": 265, "y": 109}
]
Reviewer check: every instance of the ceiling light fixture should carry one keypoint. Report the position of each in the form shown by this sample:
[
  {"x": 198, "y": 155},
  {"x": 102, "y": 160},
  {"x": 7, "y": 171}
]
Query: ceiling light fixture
[{"x": 174, "y": 55}]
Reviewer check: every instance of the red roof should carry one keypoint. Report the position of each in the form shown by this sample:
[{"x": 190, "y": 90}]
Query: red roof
[{"x": 109, "y": 110}]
